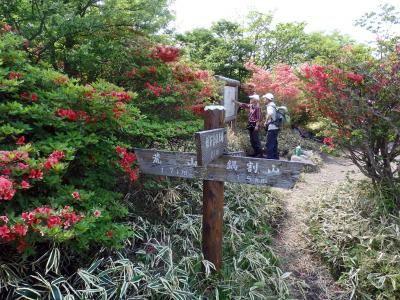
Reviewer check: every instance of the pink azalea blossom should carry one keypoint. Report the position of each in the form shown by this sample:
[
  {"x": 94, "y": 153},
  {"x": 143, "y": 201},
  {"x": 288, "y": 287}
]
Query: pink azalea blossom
[
  {"x": 22, "y": 166},
  {"x": 25, "y": 184},
  {"x": 7, "y": 190}
]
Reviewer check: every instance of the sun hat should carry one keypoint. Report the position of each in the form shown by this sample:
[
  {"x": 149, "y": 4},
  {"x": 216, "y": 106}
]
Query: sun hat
[
  {"x": 255, "y": 97},
  {"x": 269, "y": 96}
]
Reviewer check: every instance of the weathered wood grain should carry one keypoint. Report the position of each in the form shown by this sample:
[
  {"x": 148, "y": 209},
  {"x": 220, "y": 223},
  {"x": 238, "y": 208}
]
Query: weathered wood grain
[
  {"x": 211, "y": 144},
  {"x": 228, "y": 168},
  {"x": 213, "y": 200}
]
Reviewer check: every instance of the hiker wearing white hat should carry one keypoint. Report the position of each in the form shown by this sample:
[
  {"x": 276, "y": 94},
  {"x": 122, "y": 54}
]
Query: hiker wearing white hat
[
  {"x": 254, "y": 120},
  {"x": 271, "y": 128},
  {"x": 268, "y": 96}
]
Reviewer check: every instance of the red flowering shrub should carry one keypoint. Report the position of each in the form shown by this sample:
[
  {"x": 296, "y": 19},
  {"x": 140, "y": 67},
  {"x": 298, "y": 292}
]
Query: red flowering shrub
[
  {"x": 163, "y": 83},
  {"x": 127, "y": 162},
  {"x": 38, "y": 224},
  {"x": 166, "y": 54},
  {"x": 58, "y": 140},
  {"x": 283, "y": 83},
  {"x": 362, "y": 104}
]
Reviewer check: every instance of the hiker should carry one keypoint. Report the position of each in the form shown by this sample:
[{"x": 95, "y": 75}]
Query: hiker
[
  {"x": 254, "y": 120},
  {"x": 271, "y": 127}
]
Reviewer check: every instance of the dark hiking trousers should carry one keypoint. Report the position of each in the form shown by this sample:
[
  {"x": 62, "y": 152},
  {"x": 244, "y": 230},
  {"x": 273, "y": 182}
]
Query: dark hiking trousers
[
  {"x": 272, "y": 144},
  {"x": 254, "y": 139}
]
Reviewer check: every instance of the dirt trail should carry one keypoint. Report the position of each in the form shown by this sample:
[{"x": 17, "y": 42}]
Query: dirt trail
[{"x": 310, "y": 279}]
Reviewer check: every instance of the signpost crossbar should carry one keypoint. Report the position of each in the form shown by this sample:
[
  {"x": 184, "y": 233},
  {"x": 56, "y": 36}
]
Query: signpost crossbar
[{"x": 227, "y": 168}]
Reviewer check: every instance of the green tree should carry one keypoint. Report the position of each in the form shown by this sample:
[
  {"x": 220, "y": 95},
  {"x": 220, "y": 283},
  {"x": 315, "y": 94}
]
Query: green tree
[
  {"x": 282, "y": 43},
  {"x": 224, "y": 48},
  {"x": 328, "y": 48},
  {"x": 81, "y": 36},
  {"x": 385, "y": 24}
]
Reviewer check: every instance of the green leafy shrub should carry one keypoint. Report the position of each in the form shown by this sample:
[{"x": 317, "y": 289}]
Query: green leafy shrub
[{"x": 61, "y": 154}]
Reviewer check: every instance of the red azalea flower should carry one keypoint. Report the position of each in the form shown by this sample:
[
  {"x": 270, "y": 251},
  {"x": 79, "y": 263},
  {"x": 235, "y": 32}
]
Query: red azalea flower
[
  {"x": 167, "y": 54},
  {"x": 57, "y": 154},
  {"x": 53, "y": 221},
  {"x": 67, "y": 224},
  {"x": 21, "y": 230},
  {"x": 120, "y": 150},
  {"x": 355, "y": 77},
  {"x": 4, "y": 219},
  {"x": 24, "y": 95},
  {"x": 19, "y": 155},
  {"x": 22, "y": 166},
  {"x": 74, "y": 218},
  {"x": 47, "y": 165},
  {"x": 129, "y": 158},
  {"x": 133, "y": 176},
  {"x": 20, "y": 141},
  {"x": 28, "y": 217},
  {"x": 6, "y": 171},
  {"x": 68, "y": 113},
  {"x": 14, "y": 75},
  {"x": 43, "y": 210},
  {"x": 36, "y": 174},
  {"x": 53, "y": 159},
  {"x": 7, "y": 27},
  {"x": 328, "y": 141},
  {"x": 76, "y": 195},
  {"x": 25, "y": 184},
  {"x": 34, "y": 97},
  {"x": 109, "y": 233},
  {"x": 4, "y": 231}
]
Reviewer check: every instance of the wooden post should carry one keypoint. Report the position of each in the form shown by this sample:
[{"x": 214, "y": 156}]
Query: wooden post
[{"x": 213, "y": 199}]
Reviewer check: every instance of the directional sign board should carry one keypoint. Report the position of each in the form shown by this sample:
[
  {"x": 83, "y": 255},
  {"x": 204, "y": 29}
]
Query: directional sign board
[
  {"x": 210, "y": 144},
  {"x": 227, "y": 168},
  {"x": 230, "y": 92}
]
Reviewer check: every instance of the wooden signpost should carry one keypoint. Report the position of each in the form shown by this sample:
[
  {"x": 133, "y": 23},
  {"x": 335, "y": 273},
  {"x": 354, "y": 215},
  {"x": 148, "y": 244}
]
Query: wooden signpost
[
  {"x": 215, "y": 167},
  {"x": 227, "y": 168},
  {"x": 210, "y": 144}
]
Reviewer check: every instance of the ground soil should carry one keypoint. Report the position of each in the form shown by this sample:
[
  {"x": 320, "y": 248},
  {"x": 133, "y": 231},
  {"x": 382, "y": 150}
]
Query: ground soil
[{"x": 310, "y": 279}]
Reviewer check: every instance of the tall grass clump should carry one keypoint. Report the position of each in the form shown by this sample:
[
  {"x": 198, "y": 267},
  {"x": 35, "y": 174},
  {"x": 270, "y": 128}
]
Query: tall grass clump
[
  {"x": 164, "y": 259},
  {"x": 359, "y": 241}
]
